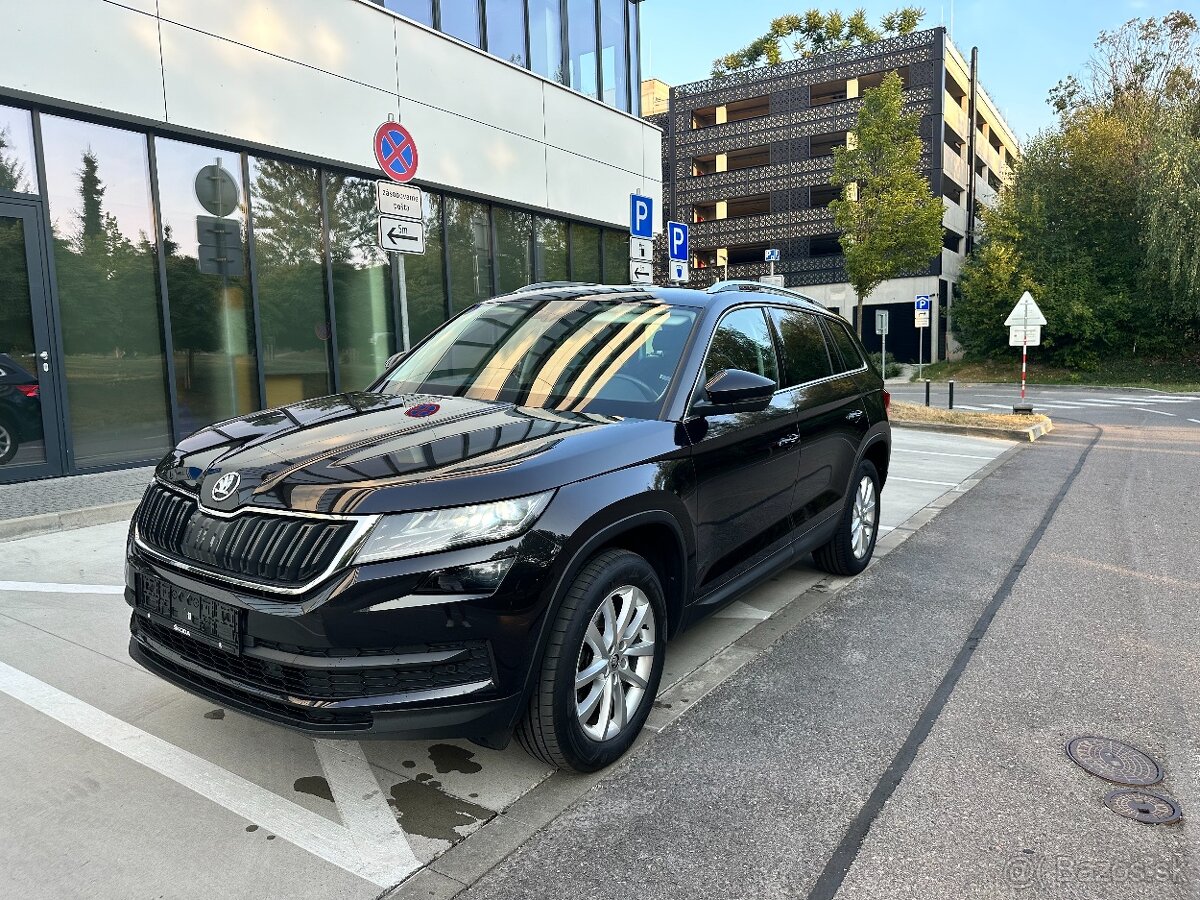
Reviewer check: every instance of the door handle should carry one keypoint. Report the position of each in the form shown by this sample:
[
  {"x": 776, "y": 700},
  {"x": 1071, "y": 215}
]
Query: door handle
[
  {"x": 45, "y": 354},
  {"x": 789, "y": 440}
]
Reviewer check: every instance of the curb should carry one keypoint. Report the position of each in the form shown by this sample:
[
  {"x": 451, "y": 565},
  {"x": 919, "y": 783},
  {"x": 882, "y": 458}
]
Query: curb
[
  {"x": 28, "y": 526},
  {"x": 1012, "y": 434}
]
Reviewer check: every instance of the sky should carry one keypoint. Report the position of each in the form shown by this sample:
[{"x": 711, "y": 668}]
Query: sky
[{"x": 1025, "y": 46}]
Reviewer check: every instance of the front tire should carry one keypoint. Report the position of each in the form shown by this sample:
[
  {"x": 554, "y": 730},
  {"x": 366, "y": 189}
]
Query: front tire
[
  {"x": 602, "y": 665},
  {"x": 8, "y": 441},
  {"x": 851, "y": 547}
]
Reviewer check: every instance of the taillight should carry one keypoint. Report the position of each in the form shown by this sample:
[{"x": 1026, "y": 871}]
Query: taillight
[
  {"x": 887, "y": 401},
  {"x": 29, "y": 390}
]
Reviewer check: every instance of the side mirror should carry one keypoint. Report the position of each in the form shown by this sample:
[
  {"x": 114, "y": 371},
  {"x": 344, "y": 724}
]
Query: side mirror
[
  {"x": 394, "y": 360},
  {"x": 735, "y": 391}
]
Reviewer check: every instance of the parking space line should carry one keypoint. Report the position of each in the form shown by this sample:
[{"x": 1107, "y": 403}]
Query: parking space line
[
  {"x": 305, "y": 829},
  {"x": 45, "y": 587},
  {"x": 1157, "y": 412},
  {"x": 923, "y": 481},
  {"x": 943, "y": 453},
  {"x": 1197, "y": 421},
  {"x": 363, "y": 808}
]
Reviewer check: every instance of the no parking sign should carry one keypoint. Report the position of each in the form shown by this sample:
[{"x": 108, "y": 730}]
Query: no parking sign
[{"x": 396, "y": 151}]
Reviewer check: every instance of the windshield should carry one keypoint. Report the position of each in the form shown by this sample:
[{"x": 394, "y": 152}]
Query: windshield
[{"x": 601, "y": 354}]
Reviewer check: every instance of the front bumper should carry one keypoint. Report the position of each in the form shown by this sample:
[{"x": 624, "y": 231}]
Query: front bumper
[{"x": 355, "y": 657}]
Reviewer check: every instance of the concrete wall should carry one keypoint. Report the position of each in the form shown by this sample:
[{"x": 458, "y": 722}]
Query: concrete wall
[{"x": 315, "y": 77}]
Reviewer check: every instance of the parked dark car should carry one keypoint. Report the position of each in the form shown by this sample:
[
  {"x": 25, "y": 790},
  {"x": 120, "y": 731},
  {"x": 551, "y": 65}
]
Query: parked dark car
[
  {"x": 20, "y": 408},
  {"x": 503, "y": 533}
]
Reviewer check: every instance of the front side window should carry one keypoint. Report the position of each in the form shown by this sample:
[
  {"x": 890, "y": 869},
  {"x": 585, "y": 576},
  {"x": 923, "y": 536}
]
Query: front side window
[
  {"x": 804, "y": 354},
  {"x": 611, "y": 354},
  {"x": 742, "y": 341}
]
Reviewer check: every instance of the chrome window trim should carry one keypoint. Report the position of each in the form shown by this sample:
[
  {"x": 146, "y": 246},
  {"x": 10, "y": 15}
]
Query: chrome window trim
[{"x": 352, "y": 544}]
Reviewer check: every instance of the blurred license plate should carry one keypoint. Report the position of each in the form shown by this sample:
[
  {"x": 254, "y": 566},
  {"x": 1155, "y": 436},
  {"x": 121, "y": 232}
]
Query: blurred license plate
[{"x": 194, "y": 615}]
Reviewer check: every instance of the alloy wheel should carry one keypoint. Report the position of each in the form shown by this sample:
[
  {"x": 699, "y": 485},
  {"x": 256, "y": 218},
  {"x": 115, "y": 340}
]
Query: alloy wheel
[
  {"x": 615, "y": 663},
  {"x": 863, "y": 517},
  {"x": 6, "y": 441}
]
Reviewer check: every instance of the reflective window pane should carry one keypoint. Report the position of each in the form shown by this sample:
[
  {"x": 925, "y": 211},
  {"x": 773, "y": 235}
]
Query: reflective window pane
[
  {"x": 742, "y": 341},
  {"x": 545, "y": 39},
  {"x": 613, "y": 52},
  {"x": 581, "y": 21},
  {"x": 470, "y": 252},
  {"x": 98, "y": 189},
  {"x": 17, "y": 170},
  {"x": 585, "y": 253},
  {"x": 514, "y": 246},
  {"x": 418, "y": 10},
  {"x": 460, "y": 18},
  {"x": 212, "y": 320},
  {"x": 286, "y": 204},
  {"x": 424, "y": 278},
  {"x": 551, "y": 252},
  {"x": 635, "y": 60},
  {"x": 616, "y": 257},
  {"x": 506, "y": 30},
  {"x": 362, "y": 282},
  {"x": 21, "y": 437}
]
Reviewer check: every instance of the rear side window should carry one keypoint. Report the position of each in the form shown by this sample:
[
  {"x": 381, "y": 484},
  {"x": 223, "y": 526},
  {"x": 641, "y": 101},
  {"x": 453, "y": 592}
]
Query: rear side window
[
  {"x": 804, "y": 355},
  {"x": 742, "y": 341},
  {"x": 846, "y": 345}
]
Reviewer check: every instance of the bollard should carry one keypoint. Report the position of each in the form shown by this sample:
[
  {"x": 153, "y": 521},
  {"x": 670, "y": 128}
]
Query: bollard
[
  {"x": 952, "y": 393},
  {"x": 926, "y": 391}
]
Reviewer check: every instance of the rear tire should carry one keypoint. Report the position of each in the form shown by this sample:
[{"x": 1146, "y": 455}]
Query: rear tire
[
  {"x": 602, "y": 665},
  {"x": 851, "y": 547}
]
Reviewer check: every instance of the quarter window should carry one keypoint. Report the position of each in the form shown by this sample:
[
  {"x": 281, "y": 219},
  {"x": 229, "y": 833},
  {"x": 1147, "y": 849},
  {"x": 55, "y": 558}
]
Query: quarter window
[
  {"x": 803, "y": 347},
  {"x": 742, "y": 341},
  {"x": 847, "y": 346}
]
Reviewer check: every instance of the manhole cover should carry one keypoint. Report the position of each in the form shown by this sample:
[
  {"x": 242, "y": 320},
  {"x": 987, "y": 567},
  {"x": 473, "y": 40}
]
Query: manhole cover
[
  {"x": 1144, "y": 807},
  {"x": 1114, "y": 761}
]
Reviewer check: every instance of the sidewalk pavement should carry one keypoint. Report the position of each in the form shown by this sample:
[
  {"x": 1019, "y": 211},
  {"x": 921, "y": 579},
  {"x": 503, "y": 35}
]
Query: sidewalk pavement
[{"x": 31, "y": 507}]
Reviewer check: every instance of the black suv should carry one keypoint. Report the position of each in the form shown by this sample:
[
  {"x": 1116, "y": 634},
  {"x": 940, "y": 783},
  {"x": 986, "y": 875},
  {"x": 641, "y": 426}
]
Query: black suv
[{"x": 503, "y": 533}]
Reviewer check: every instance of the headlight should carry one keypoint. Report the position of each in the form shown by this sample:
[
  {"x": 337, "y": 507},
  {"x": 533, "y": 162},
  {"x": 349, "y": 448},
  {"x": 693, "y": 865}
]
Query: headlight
[{"x": 411, "y": 534}]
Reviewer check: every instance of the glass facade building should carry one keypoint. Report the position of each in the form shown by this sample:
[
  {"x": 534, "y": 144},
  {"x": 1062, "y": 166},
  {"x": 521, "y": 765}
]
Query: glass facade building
[
  {"x": 588, "y": 45},
  {"x": 181, "y": 283}
]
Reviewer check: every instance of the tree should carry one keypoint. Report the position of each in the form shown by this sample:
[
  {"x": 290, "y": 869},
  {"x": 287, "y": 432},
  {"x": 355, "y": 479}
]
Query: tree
[
  {"x": 12, "y": 173},
  {"x": 816, "y": 32},
  {"x": 889, "y": 219}
]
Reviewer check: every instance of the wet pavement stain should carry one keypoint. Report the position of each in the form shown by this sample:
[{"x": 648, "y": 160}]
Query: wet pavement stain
[
  {"x": 314, "y": 785},
  {"x": 252, "y": 828},
  {"x": 409, "y": 764},
  {"x": 270, "y": 837},
  {"x": 215, "y": 714},
  {"x": 426, "y": 778},
  {"x": 423, "y": 809},
  {"x": 448, "y": 758}
]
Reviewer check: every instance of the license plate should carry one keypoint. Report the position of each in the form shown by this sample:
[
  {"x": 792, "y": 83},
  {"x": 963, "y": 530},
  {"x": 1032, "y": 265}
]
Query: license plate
[{"x": 194, "y": 615}]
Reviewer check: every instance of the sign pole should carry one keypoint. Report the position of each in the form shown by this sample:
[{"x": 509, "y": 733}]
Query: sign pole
[
  {"x": 883, "y": 353},
  {"x": 1024, "y": 351},
  {"x": 920, "y": 351}
]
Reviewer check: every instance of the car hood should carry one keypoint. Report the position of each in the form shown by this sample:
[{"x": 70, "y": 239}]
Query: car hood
[{"x": 365, "y": 453}]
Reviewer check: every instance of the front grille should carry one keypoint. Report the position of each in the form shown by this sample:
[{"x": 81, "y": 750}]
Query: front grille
[
  {"x": 471, "y": 665},
  {"x": 276, "y": 550}
]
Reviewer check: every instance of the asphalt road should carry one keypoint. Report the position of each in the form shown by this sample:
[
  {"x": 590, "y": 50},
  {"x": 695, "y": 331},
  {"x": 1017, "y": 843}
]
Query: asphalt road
[
  {"x": 1101, "y": 406},
  {"x": 114, "y": 784},
  {"x": 908, "y": 740}
]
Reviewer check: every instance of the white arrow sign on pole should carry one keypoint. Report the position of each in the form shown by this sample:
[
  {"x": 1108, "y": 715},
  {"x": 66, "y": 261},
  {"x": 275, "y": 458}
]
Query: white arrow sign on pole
[{"x": 1026, "y": 312}]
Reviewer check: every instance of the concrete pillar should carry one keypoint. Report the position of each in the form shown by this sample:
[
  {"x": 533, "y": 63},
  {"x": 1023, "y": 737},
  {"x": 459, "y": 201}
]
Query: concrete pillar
[
  {"x": 722, "y": 114},
  {"x": 722, "y": 209},
  {"x": 851, "y": 88}
]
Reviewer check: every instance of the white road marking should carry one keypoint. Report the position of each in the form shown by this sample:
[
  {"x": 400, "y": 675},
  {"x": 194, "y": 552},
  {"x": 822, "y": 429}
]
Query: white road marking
[
  {"x": 45, "y": 587},
  {"x": 1157, "y": 412},
  {"x": 923, "y": 481},
  {"x": 1090, "y": 401},
  {"x": 968, "y": 406},
  {"x": 307, "y": 830},
  {"x": 941, "y": 453},
  {"x": 1197, "y": 421},
  {"x": 1154, "y": 398},
  {"x": 362, "y": 806},
  {"x": 739, "y": 609}
]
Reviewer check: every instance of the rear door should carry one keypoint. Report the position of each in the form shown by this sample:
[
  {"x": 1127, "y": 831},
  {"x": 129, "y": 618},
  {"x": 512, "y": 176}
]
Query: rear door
[
  {"x": 745, "y": 463},
  {"x": 816, "y": 393},
  {"x": 852, "y": 422}
]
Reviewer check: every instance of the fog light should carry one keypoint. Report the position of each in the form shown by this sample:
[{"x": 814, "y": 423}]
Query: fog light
[{"x": 480, "y": 578}]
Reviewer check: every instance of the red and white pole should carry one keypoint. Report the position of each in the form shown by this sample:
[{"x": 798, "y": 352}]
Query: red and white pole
[{"x": 1024, "y": 359}]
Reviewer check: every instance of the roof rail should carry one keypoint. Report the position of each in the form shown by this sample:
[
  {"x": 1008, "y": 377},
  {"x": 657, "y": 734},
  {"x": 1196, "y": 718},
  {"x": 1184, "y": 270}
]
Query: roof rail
[{"x": 760, "y": 288}]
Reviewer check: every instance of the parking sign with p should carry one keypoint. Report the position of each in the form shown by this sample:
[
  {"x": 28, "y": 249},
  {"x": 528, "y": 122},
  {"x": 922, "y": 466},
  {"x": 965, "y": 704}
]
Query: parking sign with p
[
  {"x": 677, "y": 240},
  {"x": 641, "y": 216}
]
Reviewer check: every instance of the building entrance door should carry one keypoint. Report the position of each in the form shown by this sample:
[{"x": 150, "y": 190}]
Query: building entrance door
[{"x": 30, "y": 436}]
